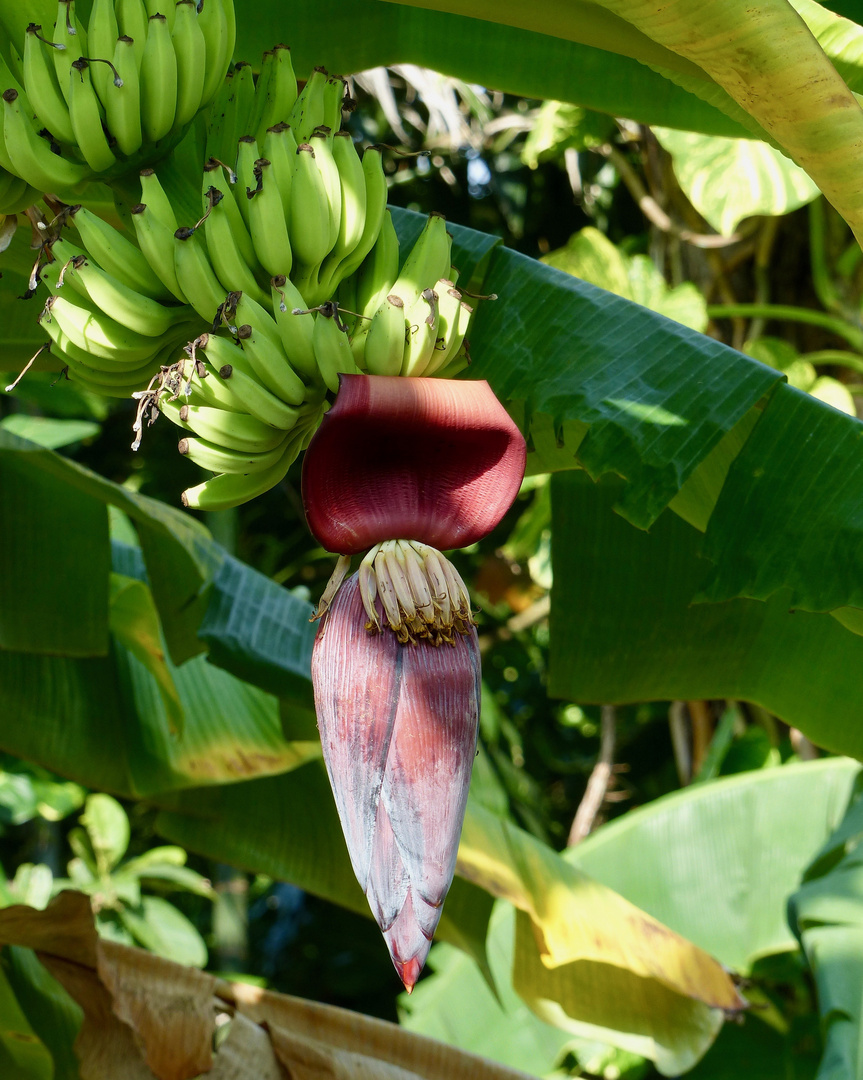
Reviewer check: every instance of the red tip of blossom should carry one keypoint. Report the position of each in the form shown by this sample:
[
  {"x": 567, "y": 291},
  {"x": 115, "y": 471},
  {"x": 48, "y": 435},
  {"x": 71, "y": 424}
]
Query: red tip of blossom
[
  {"x": 435, "y": 460},
  {"x": 409, "y": 972}
]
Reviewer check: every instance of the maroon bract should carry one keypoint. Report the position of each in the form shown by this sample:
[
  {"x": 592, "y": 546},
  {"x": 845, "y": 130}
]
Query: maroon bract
[
  {"x": 434, "y": 460},
  {"x": 398, "y": 727}
]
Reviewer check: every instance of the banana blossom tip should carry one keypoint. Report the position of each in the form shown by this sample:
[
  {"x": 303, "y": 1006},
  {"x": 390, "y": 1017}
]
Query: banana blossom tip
[{"x": 398, "y": 724}]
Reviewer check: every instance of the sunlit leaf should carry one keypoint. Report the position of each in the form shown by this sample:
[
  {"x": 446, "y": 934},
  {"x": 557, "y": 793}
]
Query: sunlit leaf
[
  {"x": 48, "y": 431},
  {"x": 727, "y": 180},
  {"x": 108, "y": 828},
  {"x": 165, "y": 931},
  {"x": 22, "y": 1053}
]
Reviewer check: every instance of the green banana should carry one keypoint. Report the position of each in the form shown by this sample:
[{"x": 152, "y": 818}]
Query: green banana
[
  {"x": 123, "y": 103},
  {"x": 158, "y": 80},
  {"x": 454, "y": 356},
  {"x": 247, "y": 181},
  {"x": 422, "y": 330},
  {"x": 93, "y": 331},
  {"x": 270, "y": 364},
  {"x": 309, "y": 110},
  {"x": 277, "y": 96},
  {"x": 191, "y": 51},
  {"x": 132, "y": 20},
  {"x": 453, "y": 316},
  {"x": 280, "y": 149},
  {"x": 43, "y": 90},
  {"x": 231, "y": 114},
  {"x": 70, "y": 42},
  {"x": 267, "y": 223},
  {"x": 113, "y": 370},
  {"x": 377, "y": 274},
  {"x": 334, "y": 96},
  {"x": 156, "y": 7},
  {"x": 384, "y": 343},
  {"x": 234, "y": 368},
  {"x": 309, "y": 230},
  {"x": 223, "y": 247},
  {"x": 195, "y": 274},
  {"x": 155, "y": 196},
  {"x": 376, "y": 204},
  {"x": 227, "y": 490},
  {"x": 322, "y": 143},
  {"x": 17, "y": 196},
  {"x": 156, "y": 241},
  {"x": 232, "y": 430},
  {"x": 85, "y": 112},
  {"x": 126, "y": 306},
  {"x": 219, "y": 460},
  {"x": 332, "y": 351},
  {"x": 296, "y": 331},
  {"x": 426, "y": 262},
  {"x": 217, "y": 22},
  {"x": 352, "y": 197},
  {"x": 102, "y": 33},
  {"x": 31, "y": 155},
  {"x": 214, "y": 177}
]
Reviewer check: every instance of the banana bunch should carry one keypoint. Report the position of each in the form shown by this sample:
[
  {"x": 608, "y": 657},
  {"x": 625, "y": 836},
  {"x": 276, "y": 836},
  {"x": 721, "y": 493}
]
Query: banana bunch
[
  {"x": 110, "y": 320},
  {"x": 247, "y": 412},
  {"x": 98, "y": 101},
  {"x": 285, "y": 192},
  {"x": 410, "y": 321}
]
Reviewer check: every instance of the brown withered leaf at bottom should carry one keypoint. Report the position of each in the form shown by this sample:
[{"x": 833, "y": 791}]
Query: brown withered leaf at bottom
[{"x": 146, "y": 1018}]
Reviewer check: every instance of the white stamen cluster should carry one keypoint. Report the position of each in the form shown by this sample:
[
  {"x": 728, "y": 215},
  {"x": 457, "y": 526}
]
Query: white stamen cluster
[{"x": 421, "y": 593}]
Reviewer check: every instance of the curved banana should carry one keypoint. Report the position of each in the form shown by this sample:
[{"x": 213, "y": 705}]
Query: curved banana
[
  {"x": 85, "y": 112},
  {"x": 102, "y": 34},
  {"x": 296, "y": 331},
  {"x": 195, "y": 274},
  {"x": 93, "y": 331},
  {"x": 216, "y": 20},
  {"x": 352, "y": 197},
  {"x": 322, "y": 143},
  {"x": 156, "y": 7},
  {"x": 421, "y": 319},
  {"x": 218, "y": 459},
  {"x": 114, "y": 371},
  {"x": 190, "y": 48},
  {"x": 247, "y": 181},
  {"x": 123, "y": 103},
  {"x": 234, "y": 368},
  {"x": 17, "y": 196},
  {"x": 377, "y": 274},
  {"x": 70, "y": 42},
  {"x": 31, "y": 155},
  {"x": 427, "y": 262},
  {"x": 231, "y": 489},
  {"x": 233, "y": 430},
  {"x": 454, "y": 357},
  {"x": 309, "y": 229},
  {"x": 280, "y": 149},
  {"x": 309, "y": 109},
  {"x": 384, "y": 345},
  {"x": 132, "y": 19},
  {"x": 214, "y": 177},
  {"x": 334, "y": 96},
  {"x": 126, "y": 306},
  {"x": 230, "y": 116},
  {"x": 277, "y": 95},
  {"x": 267, "y": 223},
  {"x": 155, "y": 196},
  {"x": 43, "y": 90},
  {"x": 376, "y": 204},
  {"x": 332, "y": 351},
  {"x": 223, "y": 247},
  {"x": 156, "y": 241},
  {"x": 270, "y": 364},
  {"x": 158, "y": 80}
]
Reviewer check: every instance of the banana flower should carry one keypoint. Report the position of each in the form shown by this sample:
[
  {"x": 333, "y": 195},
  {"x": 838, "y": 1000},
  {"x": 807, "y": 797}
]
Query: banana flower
[{"x": 403, "y": 467}]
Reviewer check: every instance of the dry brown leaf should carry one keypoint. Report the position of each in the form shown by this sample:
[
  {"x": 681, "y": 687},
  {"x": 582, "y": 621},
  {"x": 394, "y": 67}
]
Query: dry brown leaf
[
  {"x": 105, "y": 1046},
  {"x": 65, "y": 928},
  {"x": 247, "y": 1053},
  {"x": 322, "y": 1042},
  {"x": 146, "y": 1018},
  {"x": 170, "y": 1008}
]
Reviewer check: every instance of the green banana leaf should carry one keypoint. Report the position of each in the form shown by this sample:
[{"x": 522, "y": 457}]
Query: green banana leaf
[
  {"x": 623, "y": 626},
  {"x": 788, "y": 85},
  {"x": 826, "y": 913},
  {"x": 22, "y": 1053}
]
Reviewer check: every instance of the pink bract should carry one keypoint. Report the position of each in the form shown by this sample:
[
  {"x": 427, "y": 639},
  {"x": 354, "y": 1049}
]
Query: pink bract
[{"x": 435, "y": 460}]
